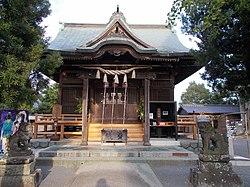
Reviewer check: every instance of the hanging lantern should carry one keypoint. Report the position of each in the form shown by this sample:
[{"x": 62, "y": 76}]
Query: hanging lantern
[
  {"x": 133, "y": 74},
  {"x": 97, "y": 76}
]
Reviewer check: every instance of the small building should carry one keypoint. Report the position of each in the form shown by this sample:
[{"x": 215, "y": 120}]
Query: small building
[
  {"x": 123, "y": 74},
  {"x": 207, "y": 109},
  {"x": 231, "y": 112}
]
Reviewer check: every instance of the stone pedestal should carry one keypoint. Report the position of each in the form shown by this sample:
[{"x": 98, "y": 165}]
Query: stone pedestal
[
  {"x": 214, "y": 168},
  {"x": 221, "y": 178},
  {"x": 211, "y": 174},
  {"x": 19, "y": 172}
]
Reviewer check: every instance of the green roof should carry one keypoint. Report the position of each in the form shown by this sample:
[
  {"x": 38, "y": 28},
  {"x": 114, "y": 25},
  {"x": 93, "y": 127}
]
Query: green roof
[{"x": 145, "y": 38}]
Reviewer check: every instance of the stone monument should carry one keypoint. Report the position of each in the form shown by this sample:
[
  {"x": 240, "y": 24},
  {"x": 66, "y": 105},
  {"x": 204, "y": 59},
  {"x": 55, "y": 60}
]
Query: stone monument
[
  {"x": 17, "y": 166},
  {"x": 214, "y": 168}
]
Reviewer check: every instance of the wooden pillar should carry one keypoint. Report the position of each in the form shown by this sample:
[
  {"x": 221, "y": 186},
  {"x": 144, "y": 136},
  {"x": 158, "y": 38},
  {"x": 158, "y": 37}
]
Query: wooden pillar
[
  {"x": 175, "y": 121},
  {"x": 85, "y": 111},
  {"x": 146, "y": 110},
  {"x": 60, "y": 88},
  {"x": 171, "y": 88}
]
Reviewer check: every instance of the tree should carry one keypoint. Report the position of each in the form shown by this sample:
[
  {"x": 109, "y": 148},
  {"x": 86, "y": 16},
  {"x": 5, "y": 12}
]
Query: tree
[
  {"x": 48, "y": 99},
  {"x": 195, "y": 94},
  {"x": 199, "y": 94},
  {"x": 223, "y": 30},
  {"x": 22, "y": 45}
]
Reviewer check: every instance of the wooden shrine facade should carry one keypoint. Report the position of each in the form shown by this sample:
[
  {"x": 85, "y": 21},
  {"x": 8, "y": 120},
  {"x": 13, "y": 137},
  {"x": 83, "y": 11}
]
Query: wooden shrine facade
[{"x": 109, "y": 70}]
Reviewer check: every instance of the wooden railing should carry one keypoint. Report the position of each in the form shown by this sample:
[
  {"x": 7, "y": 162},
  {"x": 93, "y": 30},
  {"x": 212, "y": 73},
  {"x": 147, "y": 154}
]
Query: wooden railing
[
  {"x": 65, "y": 120},
  {"x": 187, "y": 125}
]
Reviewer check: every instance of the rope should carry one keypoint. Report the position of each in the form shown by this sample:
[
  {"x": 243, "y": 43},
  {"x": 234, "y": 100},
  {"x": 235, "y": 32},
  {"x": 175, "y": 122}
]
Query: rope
[{"x": 115, "y": 72}]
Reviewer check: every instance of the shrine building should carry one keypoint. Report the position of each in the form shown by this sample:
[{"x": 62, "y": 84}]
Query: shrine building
[{"x": 122, "y": 76}]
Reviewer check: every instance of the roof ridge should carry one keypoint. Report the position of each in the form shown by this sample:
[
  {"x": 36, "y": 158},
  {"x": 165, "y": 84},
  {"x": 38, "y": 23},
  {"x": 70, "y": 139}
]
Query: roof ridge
[{"x": 209, "y": 105}]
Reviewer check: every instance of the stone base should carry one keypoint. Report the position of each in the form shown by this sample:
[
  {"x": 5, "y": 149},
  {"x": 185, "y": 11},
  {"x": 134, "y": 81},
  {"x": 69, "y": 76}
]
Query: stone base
[
  {"x": 215, "y": 167},
  {"x": 19, "y": 153},
  {"x": 17, "y": 160},
  {"x": 214, "y": 157},
  {"x": 19, "y": 171},
  {"x": 32, "y": 180},
  {"x": 146, "y": 144},
  {"x": 199, "y": 178}
]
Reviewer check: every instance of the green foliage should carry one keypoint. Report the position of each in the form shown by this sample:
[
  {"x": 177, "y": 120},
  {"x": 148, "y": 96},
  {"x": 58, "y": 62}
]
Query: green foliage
[
  {"x": 79, "y": 105},
  {"x": 48, "y": 99},
  {"x": 21, "y": 47},
  {"x": 199, "y": 94},
  {"x": 140, "y": 109},
  {"x": 195, "y": 93},
  {"x": 222, "y": 27}
]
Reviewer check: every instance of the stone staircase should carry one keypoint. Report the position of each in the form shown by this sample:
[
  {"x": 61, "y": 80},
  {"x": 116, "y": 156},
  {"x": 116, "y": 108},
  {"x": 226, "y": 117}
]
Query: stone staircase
[
  {"x": 135, "y": 131},
  {"x": 75, "y": 155}
]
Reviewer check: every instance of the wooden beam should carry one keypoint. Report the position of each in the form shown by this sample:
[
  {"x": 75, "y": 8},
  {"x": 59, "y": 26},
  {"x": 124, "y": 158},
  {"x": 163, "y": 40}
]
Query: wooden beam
[{"x": 85, "y": 112}]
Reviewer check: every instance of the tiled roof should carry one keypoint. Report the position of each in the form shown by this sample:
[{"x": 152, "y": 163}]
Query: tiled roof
[
  {"x": 209, "y": 109},
  {"x": 159, "y": 37},
  {"x": 70, "y": 38},
  {"x": 162, "y": 38}
]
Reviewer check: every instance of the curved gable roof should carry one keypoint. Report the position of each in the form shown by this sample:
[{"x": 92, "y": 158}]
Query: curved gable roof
[
  {"x": 119, "y": 28},
  {"x": 146, "y": 38}
]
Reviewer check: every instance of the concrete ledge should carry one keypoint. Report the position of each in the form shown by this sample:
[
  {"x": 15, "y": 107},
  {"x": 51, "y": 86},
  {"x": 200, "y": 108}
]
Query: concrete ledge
[
  {"x": 76, "y": 162},
  {"x": 114, "y": 154},
  {"x": 240, "y": 162}
]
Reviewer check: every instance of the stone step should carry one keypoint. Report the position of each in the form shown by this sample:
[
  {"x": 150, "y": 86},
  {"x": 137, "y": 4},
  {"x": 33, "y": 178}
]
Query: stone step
[
  {"x": 114, "y": 154},
  {"x": 112, "y": 150},
  {"x": 75, "y": 162},
  {"x": 164, "y": 142},
  {"x": 44, "y": 143},
  {"x": 75, "y": 155}
]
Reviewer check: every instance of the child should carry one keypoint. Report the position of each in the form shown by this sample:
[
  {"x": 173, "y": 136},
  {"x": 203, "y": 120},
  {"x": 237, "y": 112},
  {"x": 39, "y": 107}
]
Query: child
[{"x": 6, "y": 129}]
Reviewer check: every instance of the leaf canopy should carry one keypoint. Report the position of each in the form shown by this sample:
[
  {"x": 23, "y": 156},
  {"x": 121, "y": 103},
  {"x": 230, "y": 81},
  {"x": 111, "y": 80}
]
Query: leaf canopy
[
  {"x": 223, "y": 30},
  {"x": 22, "y": 44}
]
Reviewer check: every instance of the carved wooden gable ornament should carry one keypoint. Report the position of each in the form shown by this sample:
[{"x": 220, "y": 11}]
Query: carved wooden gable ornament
[{"x": 118, "y": 30}]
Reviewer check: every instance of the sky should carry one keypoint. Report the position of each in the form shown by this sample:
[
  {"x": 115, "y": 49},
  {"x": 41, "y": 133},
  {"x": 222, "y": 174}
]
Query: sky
[{"x": 135, "y": 12}]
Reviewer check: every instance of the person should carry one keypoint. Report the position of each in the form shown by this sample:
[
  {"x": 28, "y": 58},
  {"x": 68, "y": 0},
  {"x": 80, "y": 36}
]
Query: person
[{"x": 6, "y": 130}]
